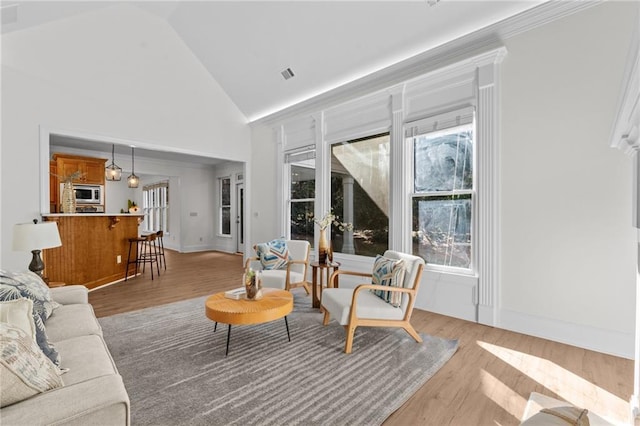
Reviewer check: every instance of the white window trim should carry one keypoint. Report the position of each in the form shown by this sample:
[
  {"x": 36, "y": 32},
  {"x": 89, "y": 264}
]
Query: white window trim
[{"x": 409, "y": 101}]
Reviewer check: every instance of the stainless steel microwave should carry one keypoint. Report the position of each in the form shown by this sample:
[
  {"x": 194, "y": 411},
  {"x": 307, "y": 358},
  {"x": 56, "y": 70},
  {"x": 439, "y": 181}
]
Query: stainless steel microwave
[{"x": 87, "y": 194}]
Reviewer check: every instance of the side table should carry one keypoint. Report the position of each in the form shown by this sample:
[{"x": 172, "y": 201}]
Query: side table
[{"x": 321, "y": 273}]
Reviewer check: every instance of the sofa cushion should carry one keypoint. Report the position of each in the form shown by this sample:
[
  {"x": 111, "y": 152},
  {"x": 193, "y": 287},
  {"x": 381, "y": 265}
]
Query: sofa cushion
[
  {"x": 19, "y": 313},
  {"x": 15, "y": 285},
  {"x": 86, "y": 357},
  {"x": 273, "y": 255},
  {"x": 72, "y": 321},
  {"x": 388, "y": 272},
  {"x": 70, "y": 294},
  {"x": 24, "y": 369},
  {"x": 338, "y": 302}
]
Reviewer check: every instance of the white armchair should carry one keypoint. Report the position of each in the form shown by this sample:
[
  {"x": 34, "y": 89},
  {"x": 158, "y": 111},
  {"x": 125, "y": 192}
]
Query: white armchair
[
  {"x": 360, "y": 307},
  {"x": 293, "y": 274}
]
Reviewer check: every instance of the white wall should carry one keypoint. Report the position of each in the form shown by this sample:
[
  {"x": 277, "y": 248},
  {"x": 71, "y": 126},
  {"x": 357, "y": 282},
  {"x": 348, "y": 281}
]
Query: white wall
[
  {"x": 118, "y": 72},
  {"x": 567, "y": 247},
  {"x": 264, "y": 221},
  {"x": 568, "y": 266}
]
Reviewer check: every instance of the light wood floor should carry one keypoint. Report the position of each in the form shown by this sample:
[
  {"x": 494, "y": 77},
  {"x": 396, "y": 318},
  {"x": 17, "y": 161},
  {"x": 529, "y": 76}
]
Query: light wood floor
[{"x": 487, "y": 382}]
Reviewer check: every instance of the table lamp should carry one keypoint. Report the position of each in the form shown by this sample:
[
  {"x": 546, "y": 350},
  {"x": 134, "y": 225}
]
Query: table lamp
[{"x": 34, "y": 237}]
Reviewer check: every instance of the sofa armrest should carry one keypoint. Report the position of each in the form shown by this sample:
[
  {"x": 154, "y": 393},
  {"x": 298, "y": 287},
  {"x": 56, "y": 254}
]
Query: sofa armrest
[
  {"x": 70, "y": 294},
  {"x": 102, "y": 400}
]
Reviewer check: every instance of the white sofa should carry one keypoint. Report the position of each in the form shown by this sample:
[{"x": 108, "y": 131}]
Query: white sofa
[{"x": 93, "y": 391}]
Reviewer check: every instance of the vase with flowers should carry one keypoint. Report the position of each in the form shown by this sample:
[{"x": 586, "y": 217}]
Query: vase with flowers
[{"x": 324, "y": 247}]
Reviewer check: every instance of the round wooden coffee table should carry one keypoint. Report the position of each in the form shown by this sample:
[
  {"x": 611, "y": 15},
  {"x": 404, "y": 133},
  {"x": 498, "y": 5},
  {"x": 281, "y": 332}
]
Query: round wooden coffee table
[{"x": 274, "y": 305}]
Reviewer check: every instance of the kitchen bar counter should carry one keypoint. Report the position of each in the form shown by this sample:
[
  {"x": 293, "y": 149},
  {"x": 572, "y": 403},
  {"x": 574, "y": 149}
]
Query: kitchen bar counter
[
  {"x": 94, "y": 247},
  {"x": 91, "y": 214}
]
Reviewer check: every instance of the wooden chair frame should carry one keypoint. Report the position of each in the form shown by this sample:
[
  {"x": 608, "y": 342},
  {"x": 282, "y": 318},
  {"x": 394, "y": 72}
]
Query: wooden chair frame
[{"x": 355, "y": 322}]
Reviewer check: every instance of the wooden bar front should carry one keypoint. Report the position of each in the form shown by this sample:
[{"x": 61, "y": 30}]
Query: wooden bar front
[{"x": 91, "y": 244}]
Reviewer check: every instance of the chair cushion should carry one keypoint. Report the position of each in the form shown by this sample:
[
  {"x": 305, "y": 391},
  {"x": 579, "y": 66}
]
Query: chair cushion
[
  {"x": 25, "y": 371},
  {"x": 15, "y": 285},
  {"x": 338, "y": 302},
  {"x": 275, "y": 278},
  {"x": 273, "y": 255},
  {"x": 388, "y": 272},
  {"x": 561, "y": 416}
]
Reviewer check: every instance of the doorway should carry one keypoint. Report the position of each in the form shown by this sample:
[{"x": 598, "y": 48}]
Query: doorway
[{"x": 240, "y": 217}]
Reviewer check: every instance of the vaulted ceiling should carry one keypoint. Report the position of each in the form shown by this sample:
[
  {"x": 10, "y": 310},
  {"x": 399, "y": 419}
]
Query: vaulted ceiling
[{"x": 245, "y": 45}]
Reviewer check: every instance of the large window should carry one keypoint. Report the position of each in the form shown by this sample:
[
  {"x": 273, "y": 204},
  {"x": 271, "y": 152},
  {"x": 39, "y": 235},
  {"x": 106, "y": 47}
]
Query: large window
[
  {"x": 225, "y": 206},
  {"x": 155, "y": 206},
  {"x": 360, "y": 194},
  {"x": 301, "y": 168},
  {"x": 443, "y": 192}
]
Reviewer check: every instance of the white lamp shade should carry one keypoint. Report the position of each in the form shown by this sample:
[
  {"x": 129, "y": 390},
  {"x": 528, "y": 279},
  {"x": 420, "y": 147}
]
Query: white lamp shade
[{"x": 35, "y": 236}]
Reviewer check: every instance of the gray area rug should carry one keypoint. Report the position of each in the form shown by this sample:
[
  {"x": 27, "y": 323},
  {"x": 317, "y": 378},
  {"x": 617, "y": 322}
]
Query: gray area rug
[{"x": 175, "y": 370}]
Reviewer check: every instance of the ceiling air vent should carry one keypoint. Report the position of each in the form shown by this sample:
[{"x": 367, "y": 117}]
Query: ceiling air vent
[{"x": 287, "y": 74}]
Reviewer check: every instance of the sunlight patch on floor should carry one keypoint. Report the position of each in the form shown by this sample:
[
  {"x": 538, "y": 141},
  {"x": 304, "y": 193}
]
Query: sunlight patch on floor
[
  {"x": 564, "y": 383},
  {"x": 502, "y": 395}
]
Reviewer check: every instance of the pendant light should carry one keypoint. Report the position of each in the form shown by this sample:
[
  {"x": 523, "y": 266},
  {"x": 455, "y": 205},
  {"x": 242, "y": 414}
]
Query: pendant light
[
  {"x": 113, "y": 172},
  {"x": 133, "y": 180}
]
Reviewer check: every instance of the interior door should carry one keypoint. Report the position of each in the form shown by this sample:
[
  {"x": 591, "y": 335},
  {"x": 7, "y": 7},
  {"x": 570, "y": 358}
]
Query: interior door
[{"x": 240, "y": 218}]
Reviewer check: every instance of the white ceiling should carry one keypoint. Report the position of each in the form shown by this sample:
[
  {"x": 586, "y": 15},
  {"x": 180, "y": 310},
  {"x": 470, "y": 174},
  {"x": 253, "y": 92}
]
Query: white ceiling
[{"x": 246, "y": 44}]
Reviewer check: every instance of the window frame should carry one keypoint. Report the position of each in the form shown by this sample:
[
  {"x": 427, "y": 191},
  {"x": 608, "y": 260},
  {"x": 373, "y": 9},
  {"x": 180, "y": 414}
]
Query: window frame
[
  {"x": 364, "y": 133},
  {"x": 411, "y": 132},
  {"x": 222, "y": 206},
  {"x": 159, "y": 210},
  {"x": 289, "y": 160}
]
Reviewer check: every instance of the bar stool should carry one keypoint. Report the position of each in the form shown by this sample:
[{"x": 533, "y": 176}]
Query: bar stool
[
  {"x": 161, "y": 258},
  {"x": 149, "y": 253},
  {"x": 146, "y": 252},
  {"x": 132, "y": 241}
]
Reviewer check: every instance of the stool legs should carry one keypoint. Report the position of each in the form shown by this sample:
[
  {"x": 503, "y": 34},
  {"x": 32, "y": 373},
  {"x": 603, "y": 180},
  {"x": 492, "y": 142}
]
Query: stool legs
[
  {"x": 145, "y": 253},
  {"x": 161, "y": 258},
  {"x": 134, "y": 261},
  {"x": 149, "y": 254}
]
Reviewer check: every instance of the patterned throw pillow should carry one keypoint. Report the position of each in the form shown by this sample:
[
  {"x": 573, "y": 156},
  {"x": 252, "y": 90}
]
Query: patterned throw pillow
[
  {"x": 14, "y": 285},
  {"x": 389, "y": 272},
  {"x": 24, "y": 370},
  {"x": 273, "y": 255},
  {"x": 19, "y": 313}
]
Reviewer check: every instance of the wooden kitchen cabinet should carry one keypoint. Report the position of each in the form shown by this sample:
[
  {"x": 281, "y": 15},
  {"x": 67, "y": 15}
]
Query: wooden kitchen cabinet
[
  {"x": 53, "y": 187},
  {"x": 92, "y": 169}
]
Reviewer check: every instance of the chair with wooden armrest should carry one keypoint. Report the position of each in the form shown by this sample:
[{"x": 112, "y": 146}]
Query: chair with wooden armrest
[
  {"x": 291, "y": 275},
  {"x": 355, "y": 307}
]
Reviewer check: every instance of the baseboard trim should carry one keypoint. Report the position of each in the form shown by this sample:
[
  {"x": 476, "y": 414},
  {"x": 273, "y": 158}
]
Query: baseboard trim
[
  {"x": 193, "y": 249},
  {"x": 610, "y": 342}
]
